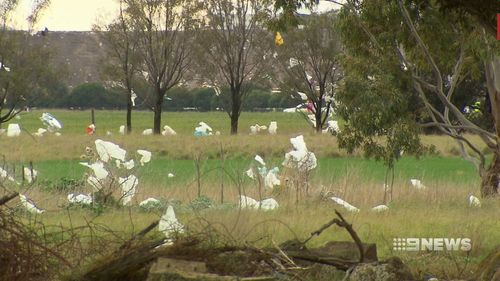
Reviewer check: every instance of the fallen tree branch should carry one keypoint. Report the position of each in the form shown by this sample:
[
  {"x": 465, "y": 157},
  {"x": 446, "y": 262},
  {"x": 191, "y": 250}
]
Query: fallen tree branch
[
  {"x": 141, "y": 234},
  {"x": 342, "y": 223},
  {"x": 7, "y": 198}
]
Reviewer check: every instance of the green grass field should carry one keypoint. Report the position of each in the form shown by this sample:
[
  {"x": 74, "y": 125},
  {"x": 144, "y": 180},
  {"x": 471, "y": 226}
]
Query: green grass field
[
  {"x": 439, "y": 211},
  {"x": 76, "y": 121}
]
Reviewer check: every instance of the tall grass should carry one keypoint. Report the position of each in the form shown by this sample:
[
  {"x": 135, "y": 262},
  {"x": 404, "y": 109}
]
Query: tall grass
[{"x": 439, "y": 211}]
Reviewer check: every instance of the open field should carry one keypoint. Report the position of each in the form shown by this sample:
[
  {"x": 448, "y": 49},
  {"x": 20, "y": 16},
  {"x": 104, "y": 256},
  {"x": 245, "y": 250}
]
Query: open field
[{"x": 439, "y": 211}]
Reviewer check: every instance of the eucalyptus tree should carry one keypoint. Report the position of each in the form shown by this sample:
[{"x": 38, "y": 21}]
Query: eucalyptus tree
[
  {"x": 309, "y": 64},
  {"x": 165, "y": 32},
  {"x": 23, "y": 59},
  {"x": 234, "y": 49},
  {"x": 435, "y": 52},
  {"x": 404, "y": 55}
]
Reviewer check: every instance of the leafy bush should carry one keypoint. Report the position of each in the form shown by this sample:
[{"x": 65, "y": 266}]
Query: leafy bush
[
  {"x": 61, "y": 185},
  {"x": 94, "y": 95},
  {"x": 201, "y": 203}
]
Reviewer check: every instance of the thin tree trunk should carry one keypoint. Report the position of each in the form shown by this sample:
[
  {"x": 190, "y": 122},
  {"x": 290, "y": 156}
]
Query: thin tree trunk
[
  {"x": 318, "y": 116},
  {"x": 157, "y": 117},
  {"x": 129, "y": 119},
  {"x": 129, "y": 112},
  {"x": 490, "y": 179},
  {"x": 235, "y": 111}
]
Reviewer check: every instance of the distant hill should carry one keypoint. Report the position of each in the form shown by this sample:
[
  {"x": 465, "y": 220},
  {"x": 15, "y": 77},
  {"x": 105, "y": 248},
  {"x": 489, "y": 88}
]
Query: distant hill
[{"x": 76, "y": 55}]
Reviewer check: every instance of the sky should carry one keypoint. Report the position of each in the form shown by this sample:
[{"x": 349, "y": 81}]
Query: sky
[
  {"x": 81, "y": 15},
  {"x": 69, "y": 15}
]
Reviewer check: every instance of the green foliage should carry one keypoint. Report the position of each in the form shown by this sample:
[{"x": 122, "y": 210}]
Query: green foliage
[
  {"x": 96, "y": 208},
  {"x": 202, "y": 99},
  {"x": 288, "y": 13},
  {"x": 93, "y": 95},
  {"x": 52, "y": 94},
  {"x": 24, "y": 66},
  {"x": 23, "y": 58},
  {"x": 62, "y": 185},
  {"x": 377, "y": 100},
  {"x": 201, "y": 203},
  {"x": 257, "y": 99},
  {"x": 181, "y": 98}
]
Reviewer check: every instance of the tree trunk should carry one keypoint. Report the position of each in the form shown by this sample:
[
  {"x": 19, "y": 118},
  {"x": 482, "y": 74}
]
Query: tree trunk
[
  {"x": 318, "y": 115},
  {"x": 129, "y": 119},
  {"x": 319, "y": 106},
  {"x": 129, "y": 112},
  {"x": 235, "y": 111},
  {"x": 489, "y": 180},
  {"x": 318, "y": 122},
  {"x": 234, "y": 124},
  {"x": 157, "y": 117}
]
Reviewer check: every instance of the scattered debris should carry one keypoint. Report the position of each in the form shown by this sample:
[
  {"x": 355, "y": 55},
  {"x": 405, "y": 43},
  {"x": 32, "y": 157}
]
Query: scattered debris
[
  {"x": 167, "y": 131},
  {"x": 146, "y": 156},
  {"x": 265, "y": 205},
  {"x": 90, "y": 130},
  {"x": 380, "y": 208},
  {"x": 474, "y": 201},
  {"x": 40, "y": 132},
  {"x": 272, "y": 179},
  {"x": 50, "y": 122},
  {"x": 13, "y": 130},
  {"x": 107, "y": 150},
  {"x": 147, "y": 132},
  {"x": 250, "y": 173},
  {"x": 29, "y": 205},
  {"x": 128, "y": 185},
  {"x": 344, "y": 204},
  {"x": 30, "y": 174},
  {"x": 269, "y": 204},
  {"x": 150, "y": 201},
  {"x": 202, "y": 130},
  {"x": 133, "y": 96},
  {"x": 259, "y": 159},
  {"x": 255, "y": 129},
  {"x": 127, "y": 164},
  {"x": 332, "y": 127},
  {"x": 121, "y": 130},
  {"x": 300, "y": 158},
  {"x": 273, "y": 127},
  {"x": 82, "y": 199},
  {"x": 170, "y": 225},
  {"x": 417, "y": 184},
  {"x": 99, "y": 171}
]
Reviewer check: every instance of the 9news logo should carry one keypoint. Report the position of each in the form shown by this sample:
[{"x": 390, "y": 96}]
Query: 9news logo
[{"x": 431, "y": 244}]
